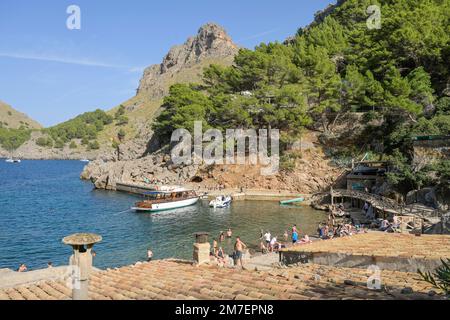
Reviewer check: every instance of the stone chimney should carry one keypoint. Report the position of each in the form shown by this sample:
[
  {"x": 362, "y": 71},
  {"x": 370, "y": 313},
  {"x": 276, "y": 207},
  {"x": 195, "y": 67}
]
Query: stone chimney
[{"x": 81, "y": 262}]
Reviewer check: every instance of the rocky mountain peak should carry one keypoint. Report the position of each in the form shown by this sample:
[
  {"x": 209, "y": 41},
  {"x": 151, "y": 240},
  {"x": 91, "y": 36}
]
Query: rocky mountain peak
[{"x": 211, "y": 42}]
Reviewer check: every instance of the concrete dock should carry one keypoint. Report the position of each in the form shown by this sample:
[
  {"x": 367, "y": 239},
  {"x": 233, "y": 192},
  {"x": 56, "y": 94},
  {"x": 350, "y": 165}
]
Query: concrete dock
[{"x": 261, "y": 195}]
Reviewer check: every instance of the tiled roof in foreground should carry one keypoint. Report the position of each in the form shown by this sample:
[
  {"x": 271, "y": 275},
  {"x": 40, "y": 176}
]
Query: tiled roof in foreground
[{"x": 170, "y": 279}]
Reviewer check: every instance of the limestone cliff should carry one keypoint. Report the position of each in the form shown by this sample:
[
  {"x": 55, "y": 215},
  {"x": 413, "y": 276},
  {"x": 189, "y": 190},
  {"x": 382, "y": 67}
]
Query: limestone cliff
[
  {"x": 183, "y": 64},
  {"x": 211, "y": 43}
]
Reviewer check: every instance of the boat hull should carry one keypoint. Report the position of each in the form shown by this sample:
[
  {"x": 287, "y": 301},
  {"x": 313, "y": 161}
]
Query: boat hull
[
  {"x": 168, "y": 205},
  {"x": 12, "y": 161},
  {"x": 220, "y": 206},
  {"x": 292, "y": 201},
  {"x": 218, "y": 203}
]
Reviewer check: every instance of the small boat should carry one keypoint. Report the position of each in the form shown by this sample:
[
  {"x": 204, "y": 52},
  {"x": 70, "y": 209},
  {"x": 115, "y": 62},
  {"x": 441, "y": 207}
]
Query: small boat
[
  {"x": 13, "y": 160},
  {"x": 167, "y": 199},
  {"x": 221, "y": 202},
  {"x": 85, "y": 160},
  {"x": 292, "y": 201}
]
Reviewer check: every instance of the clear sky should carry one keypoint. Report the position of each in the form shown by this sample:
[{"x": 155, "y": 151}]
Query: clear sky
[{"x": 53, "y": 73}]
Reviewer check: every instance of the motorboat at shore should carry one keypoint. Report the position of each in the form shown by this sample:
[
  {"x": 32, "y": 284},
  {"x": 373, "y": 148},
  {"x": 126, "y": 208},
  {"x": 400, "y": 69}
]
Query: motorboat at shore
[
  {"x": 11, "y": 160},
  {"x": 166, "y": 199},
  {"x": 221, "y": 202}
]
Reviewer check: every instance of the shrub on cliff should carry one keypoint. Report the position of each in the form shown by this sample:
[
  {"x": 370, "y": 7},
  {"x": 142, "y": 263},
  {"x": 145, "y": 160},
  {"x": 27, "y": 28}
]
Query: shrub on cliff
[
  {"x": 11, "y": 139},
  {"x": 86, "y": 126}
]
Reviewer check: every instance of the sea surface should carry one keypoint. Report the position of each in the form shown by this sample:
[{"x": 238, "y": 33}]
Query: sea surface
[{"x": 43, "y": 201}]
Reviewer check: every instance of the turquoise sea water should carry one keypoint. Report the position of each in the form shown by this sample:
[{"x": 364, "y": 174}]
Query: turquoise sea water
[{"x": 43, "y": 201}]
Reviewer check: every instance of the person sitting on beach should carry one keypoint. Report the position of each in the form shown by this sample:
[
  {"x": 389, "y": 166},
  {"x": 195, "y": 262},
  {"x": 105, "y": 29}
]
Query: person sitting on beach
[
  {"x": 215, "y": 247},
  {"x": 384, "y": 225},
  {"x": 305, "y": 239},
  {"x": 320, "y": 230},
  {"x": 263, "y": 248},
  {"x": 221, "y": 256},
  {"x": 229, "y": 233},
  {"x": 22, "y": 268},
  {"x": 273, "y": 243},
  {"x": 49, "y": 264},
  {"x": 395, "y": 223},
  {"x": 326, "y": 234}
]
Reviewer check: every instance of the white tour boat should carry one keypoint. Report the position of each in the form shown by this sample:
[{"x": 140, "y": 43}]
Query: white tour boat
[{"x": 166, "y": 199}]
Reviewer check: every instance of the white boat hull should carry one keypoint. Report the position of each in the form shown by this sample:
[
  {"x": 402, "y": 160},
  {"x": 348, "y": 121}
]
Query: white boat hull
[
  {"x": 168, "y": 205},
  {"x": 219, "y": 203},
  {"x": 12, "y": 160}
]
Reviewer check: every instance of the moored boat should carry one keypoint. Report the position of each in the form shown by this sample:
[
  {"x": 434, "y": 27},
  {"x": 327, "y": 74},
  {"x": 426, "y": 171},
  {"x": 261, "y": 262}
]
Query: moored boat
[
  {"x": 166, "y": 200},
  {"x": 296, "y": 200},
  {"x": 10, "y": 160},
  {"x": 221, "y": 202}
]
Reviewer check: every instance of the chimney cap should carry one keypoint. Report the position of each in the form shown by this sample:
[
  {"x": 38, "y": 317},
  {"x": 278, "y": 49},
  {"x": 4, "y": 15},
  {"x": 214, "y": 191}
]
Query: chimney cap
[{"x": 79, "y": 239}]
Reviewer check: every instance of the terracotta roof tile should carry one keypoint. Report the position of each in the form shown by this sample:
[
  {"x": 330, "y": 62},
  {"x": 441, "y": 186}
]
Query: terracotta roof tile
[{"x": 167, "y": 279}]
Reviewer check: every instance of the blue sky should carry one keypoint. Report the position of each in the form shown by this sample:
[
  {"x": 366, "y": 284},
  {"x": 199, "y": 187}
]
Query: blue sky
[{"x": 53, "y": 73}]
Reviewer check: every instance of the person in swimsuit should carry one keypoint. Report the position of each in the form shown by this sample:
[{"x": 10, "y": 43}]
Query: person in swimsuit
[
  {"x": 215, "y": 247},
  {"x": 22, "y": 268},
  {"x": 239, "y": 247},
  {"x": 294, "y": 237},
  {"x": 267, "y": 237},
  {"x": 149, "y": 255},
  {"x": 229, "y": 233}
]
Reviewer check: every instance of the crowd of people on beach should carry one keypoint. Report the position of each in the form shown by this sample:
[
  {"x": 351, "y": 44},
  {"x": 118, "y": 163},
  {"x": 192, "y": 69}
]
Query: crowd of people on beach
[{"x": 271, "y": 243}]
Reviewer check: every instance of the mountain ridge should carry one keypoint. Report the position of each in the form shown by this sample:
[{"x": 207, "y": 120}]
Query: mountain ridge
[{"x": 13, "y": 119}]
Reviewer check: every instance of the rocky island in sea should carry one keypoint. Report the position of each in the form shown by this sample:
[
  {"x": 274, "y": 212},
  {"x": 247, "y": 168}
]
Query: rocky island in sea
[{"x": 362, "y": 113}]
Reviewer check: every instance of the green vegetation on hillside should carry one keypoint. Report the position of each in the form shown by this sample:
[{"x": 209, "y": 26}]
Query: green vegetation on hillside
[
  {"x": 85, "y": 127},
  {"x": 11, "y": 139},
  {"x": 397, "y": 75}
]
